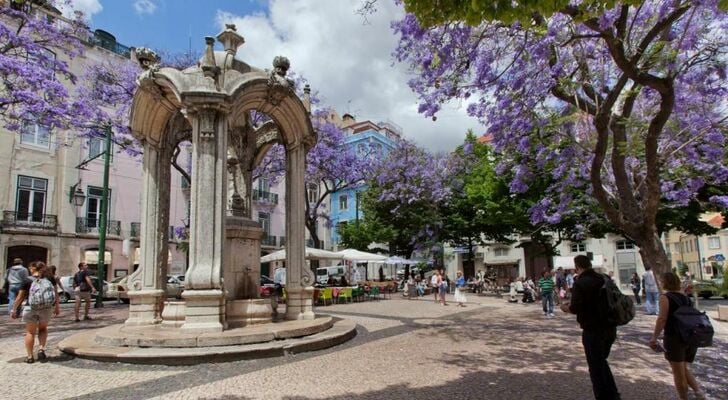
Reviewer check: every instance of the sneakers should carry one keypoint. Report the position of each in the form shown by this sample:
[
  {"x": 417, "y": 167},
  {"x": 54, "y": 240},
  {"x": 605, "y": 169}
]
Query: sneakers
[
  {"x": 551, "y": 315},
  {"x": 78, "y": 320},
  {"x": 545, "y": 314},
  {"x": 42, "y": 355}
]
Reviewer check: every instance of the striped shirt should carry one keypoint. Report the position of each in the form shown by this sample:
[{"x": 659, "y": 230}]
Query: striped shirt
[{"x": 546, "y": 285}]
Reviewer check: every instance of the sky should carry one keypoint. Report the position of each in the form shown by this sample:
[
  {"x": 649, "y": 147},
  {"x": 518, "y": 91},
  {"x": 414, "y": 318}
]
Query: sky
[{"x": 346, "y": 58}]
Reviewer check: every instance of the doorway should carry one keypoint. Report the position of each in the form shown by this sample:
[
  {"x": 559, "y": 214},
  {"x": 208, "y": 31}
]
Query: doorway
[{"x": 27, "y": 253}]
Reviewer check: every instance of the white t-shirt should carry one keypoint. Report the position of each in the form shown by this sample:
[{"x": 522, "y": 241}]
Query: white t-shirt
[
  {"x": 433, "y": 280},
  {"x": 650, "y": 282}
]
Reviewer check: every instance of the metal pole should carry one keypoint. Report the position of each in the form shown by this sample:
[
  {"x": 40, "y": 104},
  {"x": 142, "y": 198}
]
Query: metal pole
[{"x": 103, "y": 223}]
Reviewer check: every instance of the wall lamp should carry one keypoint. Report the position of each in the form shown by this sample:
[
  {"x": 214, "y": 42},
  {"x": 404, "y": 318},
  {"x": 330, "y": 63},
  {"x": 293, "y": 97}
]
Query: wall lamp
[{"x": 76, "y": 195}]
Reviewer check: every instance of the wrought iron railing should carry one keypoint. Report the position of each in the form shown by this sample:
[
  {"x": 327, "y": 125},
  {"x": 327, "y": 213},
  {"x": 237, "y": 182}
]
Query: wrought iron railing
[
  {"x": 91, "y": 225},
  {"x": 281, "y": 241},
  {"x": 99, "y": 39},
  {"x": 135, "y": 229},
  {"x": 24, "y": 220},
  {"x": 310, "y": 243},
  {"x": 268, "y": 240},
  {"x": 266, "y": 197}
]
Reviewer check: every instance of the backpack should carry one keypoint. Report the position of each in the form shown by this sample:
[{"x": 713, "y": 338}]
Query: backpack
[
  {"x": 692, "y": 325},
  {"x": 42, "y": 294},
  {"x": 80, "y": 282},
  {"x": 619, "y": 308}
]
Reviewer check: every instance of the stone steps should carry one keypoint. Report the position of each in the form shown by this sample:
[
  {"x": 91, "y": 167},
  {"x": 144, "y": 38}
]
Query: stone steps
[{"x": 87, "y": 345}]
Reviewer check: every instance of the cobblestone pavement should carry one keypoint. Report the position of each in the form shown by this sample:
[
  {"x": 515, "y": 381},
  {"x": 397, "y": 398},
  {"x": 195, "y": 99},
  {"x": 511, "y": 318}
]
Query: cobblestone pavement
[{"x": 403, "y": 350}]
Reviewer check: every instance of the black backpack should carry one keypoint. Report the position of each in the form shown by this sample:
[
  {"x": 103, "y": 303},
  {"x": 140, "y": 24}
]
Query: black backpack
[
  {"x": 692, "y": 325},
  {"x": 619, "y": 309}
]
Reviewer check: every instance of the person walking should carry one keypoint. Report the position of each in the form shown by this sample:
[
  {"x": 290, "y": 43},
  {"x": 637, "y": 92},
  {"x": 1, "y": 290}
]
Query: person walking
[
  {"x": 560, "y": 279},
  {"x": 435, "y": 283},
  {"x": 569, "y": 284},
  {"x": 83, "y": 287},
  {"x": 651, "y": 290},
  {"x": 443, "y": 288},
  {"x": 677, "y": 352},
  {"x": 15, "y": 276},
  {"x": 41, "y": 292},
  {"x": 634, "y": 284},
  {"x": 546, "y": 284},
  {"x": 597, "y": 334},
  {"x": 459, "y": 285}
]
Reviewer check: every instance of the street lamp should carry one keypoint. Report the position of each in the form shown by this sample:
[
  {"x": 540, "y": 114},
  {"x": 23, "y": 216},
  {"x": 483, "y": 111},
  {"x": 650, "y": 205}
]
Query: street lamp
[{"x": 76, "y": 195}]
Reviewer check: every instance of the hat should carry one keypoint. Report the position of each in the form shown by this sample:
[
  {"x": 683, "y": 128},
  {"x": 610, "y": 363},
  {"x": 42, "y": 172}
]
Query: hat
[{"x": 17, "y": 261}]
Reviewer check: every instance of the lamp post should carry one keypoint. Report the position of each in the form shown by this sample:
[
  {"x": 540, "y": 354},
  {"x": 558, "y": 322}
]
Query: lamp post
[{"x": 103, "y": 222}]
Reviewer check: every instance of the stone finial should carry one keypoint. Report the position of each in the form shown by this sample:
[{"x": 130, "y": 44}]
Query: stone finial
[
  {"x": 281, "y": 65},
  {"x": 307, "y": 97},
  {"x": 230, "y": 39},
  {"x": 145, "y": 57},
  {"x": 208, "y": 65}
]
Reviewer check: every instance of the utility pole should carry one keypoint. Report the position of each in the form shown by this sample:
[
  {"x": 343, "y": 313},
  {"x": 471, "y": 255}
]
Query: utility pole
[{"x": 103, "y": 223}]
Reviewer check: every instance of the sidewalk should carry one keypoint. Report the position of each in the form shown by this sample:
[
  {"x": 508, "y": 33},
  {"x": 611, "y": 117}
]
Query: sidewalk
[{"x": 404, "y": 349}]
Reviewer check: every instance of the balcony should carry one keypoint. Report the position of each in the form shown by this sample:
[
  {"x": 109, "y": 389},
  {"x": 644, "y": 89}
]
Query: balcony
[
  {"x": 106, "y": 41},
  {"x": 24, "y": 220},
  {"x": 268, "y": 240},
  {"x": 91, "y": 226},
  {"x": 135, "y": 229},
  {"x": 265, "y": 197},
  {"x": 282, "y": 241}
]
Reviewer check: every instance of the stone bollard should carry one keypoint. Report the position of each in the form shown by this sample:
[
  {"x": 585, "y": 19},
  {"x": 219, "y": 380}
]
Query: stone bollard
[{"x": 723, "y": 313}]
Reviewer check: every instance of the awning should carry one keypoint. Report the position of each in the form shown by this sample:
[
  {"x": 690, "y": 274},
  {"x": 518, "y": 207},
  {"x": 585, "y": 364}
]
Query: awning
[
  {"x": 92, "y": 257},
  {"x": 503, "y": 263}
]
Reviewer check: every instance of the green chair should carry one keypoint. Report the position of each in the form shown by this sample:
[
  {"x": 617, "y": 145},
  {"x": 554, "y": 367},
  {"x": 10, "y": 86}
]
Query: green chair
[
  {"x": 345, "y": 294},
  {"x": 357, "y": 293},
  {"x": 326, "y": 294},
  {"x": 374, "y": 293}
]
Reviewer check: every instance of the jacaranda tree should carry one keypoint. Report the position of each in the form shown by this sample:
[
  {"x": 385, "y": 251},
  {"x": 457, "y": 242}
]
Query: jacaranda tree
[
  {"x": 626, "y": 97},
  {"x": 36, "y": 46}
]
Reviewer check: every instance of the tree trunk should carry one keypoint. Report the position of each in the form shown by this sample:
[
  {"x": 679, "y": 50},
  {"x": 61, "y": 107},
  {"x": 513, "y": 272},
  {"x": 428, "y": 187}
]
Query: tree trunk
[{"x": 653, "y": 254}]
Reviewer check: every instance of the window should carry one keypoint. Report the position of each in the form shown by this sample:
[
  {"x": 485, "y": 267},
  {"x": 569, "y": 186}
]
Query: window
[
  {"x": 35, "y": 135},
  {"x": 93, "y": 205},
  {"x": 264, "y": 219},
  {"x": 625, "y": 245},
  {"x": 500, "y": 252},
  {"x": 340, "y": 226},
  {"x": 263, "y": 185},
  {"x": 31, "y": 196},
  {"x": 343, "y": 202},
  {"x": 676, "y": 247},
  {"x": 312, "y": 192},
  {"x": 714, "y": 242},
  {"x": 578, "y": 247},
  {"x": 45, "y": 58},
  {"x": 95, "y": 147}
]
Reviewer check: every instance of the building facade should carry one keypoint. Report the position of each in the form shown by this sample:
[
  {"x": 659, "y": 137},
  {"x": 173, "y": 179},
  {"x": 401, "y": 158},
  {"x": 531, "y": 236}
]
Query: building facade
[
  {"x": 43, "y": 168},
  {"x": 369, "y": 139}
]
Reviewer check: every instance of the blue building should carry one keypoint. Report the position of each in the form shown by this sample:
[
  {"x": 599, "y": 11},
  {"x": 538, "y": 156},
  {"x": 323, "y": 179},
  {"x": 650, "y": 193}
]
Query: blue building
[{"x": 368, "y": 138}]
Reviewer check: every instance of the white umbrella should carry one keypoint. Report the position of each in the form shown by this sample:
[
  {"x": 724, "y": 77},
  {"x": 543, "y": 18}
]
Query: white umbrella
[
  {"x": 311, "y": 254},
  {"x": 360, "y": 256},
  {"x": 394, "y": 260}
]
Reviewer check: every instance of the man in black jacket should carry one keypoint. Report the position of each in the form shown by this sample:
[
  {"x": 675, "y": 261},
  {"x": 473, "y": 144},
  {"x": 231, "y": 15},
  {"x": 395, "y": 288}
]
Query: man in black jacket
[{"x": 597, "y": 336}]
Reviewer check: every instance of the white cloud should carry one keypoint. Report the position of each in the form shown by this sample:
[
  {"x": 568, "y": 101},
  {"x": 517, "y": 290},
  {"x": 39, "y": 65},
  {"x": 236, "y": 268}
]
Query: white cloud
[
  {"x": 144, "y": 7},
  {"x": 348, "y": 61},
  {"x": 87, "y": 7}
]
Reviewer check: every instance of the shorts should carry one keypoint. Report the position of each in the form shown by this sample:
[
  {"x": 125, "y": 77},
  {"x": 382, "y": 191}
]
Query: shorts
[
  {"x": 82, "y": 295},
  {"x": 41, "y": 316},
  {"x": 678, "y": 351}
]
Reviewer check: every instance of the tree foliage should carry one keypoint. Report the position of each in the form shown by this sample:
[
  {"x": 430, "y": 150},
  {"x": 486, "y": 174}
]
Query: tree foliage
[
  {"x": 622, "y": 101},
  {"x": 36, "y": 48}
]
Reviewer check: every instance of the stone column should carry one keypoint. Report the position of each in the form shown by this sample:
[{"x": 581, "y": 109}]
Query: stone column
[
  {"x": 299, "y": 279},
  {"x": 147, "y": 284},
  {"x": 205, "y": 303}
]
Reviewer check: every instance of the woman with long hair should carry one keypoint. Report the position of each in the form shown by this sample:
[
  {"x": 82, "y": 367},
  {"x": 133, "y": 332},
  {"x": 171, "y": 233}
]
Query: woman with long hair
[
  {"x": 677, "y": 352},
  {"x": 634, "y": 283},
  {"x": 41, "y": 293}
]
